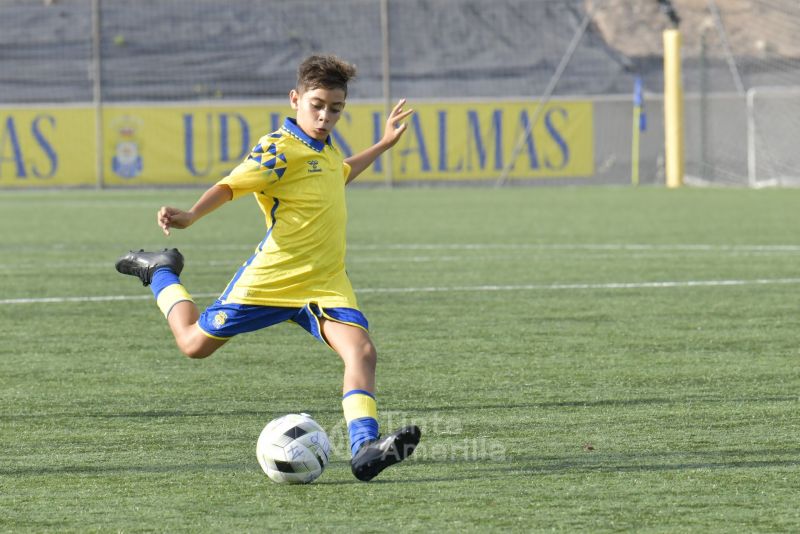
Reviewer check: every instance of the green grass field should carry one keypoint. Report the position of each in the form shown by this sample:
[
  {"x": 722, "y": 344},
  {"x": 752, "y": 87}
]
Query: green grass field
[{"x": 579, "y": 359}]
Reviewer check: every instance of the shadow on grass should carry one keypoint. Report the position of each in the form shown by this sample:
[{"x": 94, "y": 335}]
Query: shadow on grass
[
  {"x": 164, "y": 414},
  {"x": 241, "y": 467},
  {"x": 118, "y": 469},
  {"x": 336, "y": 410},
  {"x": 501, "y": 470},
  {"x": 567, "y": 466},
  {"x": 655, "y": 401},
  {"x": 478, "y": 469},
  {"x": 589, "y": 463}
]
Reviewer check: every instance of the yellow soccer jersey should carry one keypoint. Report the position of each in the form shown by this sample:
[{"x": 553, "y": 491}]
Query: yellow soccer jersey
[{"x": 299, "y": 184}]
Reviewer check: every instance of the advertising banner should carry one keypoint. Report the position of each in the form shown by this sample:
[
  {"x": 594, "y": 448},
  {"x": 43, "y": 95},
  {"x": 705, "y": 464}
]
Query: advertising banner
[
  {"x": 197, "y": 144},
  {"x": 49, "y": 147}
]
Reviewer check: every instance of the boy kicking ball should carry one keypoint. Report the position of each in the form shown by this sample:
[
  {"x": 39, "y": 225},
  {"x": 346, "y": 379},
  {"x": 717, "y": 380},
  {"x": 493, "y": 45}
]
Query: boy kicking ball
[{"x": 297, "y": 271}]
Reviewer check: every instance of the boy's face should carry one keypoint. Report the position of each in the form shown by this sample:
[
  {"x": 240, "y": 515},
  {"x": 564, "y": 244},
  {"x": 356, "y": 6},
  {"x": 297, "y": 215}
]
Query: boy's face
[{"x": 318, "y": 110}]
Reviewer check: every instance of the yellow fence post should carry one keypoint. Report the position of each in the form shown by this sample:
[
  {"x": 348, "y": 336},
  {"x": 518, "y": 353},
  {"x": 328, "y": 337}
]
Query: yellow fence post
[{"x": 673, "y": 109}]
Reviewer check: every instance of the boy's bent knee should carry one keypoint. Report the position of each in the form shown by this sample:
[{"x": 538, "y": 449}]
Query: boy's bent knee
[
  {"x": 196, "y": 353},
  {"x": 198, "y": 345}
]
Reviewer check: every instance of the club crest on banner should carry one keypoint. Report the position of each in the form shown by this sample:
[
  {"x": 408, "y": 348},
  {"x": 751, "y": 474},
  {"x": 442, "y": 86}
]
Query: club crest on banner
[{"x": 127, "y": 160}]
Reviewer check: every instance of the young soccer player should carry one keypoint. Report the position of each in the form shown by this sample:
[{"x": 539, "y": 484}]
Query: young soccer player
[{"x": 297, "y": 271}]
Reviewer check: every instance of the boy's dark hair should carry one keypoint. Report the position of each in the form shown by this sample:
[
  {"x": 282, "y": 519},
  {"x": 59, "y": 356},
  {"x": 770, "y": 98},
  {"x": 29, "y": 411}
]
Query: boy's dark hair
[{"x": 325, "y": 71}]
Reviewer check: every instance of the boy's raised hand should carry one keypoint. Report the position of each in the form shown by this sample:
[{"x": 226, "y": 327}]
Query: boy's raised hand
[
  {"x": 394, "y": 125},
  {"x": 168, "y": 217},
  {"x": 393, "y": 132}
]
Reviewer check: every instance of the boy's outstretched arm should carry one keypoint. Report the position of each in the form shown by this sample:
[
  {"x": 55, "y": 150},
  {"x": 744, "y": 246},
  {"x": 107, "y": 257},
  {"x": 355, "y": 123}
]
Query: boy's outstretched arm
[
  {"x": 392, "y": 133},
  {"x": 169, "y": 217}
]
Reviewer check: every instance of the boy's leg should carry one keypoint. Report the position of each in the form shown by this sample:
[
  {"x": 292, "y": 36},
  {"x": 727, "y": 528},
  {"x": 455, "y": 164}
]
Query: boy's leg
[
  {"x": 191, "y": 340},
  {"x": 371, "y": 454},
  {"x": 355, "y": 348},
  {"x": 160, "y": 271}
]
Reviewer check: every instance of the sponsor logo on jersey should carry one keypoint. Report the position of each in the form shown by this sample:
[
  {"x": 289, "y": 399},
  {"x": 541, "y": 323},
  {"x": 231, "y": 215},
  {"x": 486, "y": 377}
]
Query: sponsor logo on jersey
[{"x": 313, "y": 166}]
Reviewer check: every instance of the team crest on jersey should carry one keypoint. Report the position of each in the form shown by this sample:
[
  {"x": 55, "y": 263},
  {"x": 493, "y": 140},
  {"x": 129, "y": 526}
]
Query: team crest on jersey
[
  {"x": 219, "y": 319},
  {"x": 313, "y": 166},
  {"x": 127, "y": 159}
]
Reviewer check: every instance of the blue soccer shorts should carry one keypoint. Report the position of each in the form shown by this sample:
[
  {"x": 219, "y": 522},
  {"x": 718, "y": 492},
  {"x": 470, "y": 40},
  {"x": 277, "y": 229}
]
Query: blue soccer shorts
[{"x": 225, "y": 320}]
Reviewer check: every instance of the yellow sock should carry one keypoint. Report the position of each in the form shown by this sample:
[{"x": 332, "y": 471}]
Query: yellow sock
[
  {"x": 361, "y": 415},
  {"x": 170, "y": 296}
]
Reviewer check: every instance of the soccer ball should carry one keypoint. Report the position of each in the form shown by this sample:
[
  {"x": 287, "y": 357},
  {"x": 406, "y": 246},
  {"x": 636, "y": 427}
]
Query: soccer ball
[{"x": 293, "y": 449}]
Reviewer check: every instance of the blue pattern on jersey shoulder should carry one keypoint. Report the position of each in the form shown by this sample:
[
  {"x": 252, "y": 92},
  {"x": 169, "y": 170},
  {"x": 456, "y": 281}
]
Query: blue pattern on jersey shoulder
[{"x": 275, "y": 163}]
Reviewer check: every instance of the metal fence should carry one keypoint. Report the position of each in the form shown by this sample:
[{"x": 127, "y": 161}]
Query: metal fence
[{"x": 243, "y": 49}]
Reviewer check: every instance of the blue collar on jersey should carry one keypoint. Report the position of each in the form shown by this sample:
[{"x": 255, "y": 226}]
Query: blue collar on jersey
[{"x": 290, "y": 125}]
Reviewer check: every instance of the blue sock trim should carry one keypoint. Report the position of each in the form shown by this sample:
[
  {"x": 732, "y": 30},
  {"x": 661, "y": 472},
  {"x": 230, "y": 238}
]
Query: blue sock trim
[
  {"x": 163, "y": 277},
  {"x": 361, "y": 430},
  {"x": 357, "y": 392}
]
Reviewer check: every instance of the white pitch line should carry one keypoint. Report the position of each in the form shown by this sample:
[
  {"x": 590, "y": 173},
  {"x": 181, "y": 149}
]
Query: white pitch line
[
  {"x": 622, "y": 285},
  {"x": 363, "y": 257},
  {"x": 445, "y": 289},
  {"x": 233, "y": 264},
  {"x": 578, "y": 246},
  {"x": 623, "y": 247},
  {"x": 103, "y": 298}
]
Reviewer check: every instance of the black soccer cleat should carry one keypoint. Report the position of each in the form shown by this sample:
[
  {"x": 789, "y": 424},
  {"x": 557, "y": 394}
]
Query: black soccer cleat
[
  {"x": 375, "y": 456},
  {"x": 144, "y": 264}
]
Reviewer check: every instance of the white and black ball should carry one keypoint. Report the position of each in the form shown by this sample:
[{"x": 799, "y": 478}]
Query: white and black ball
[{"x": 293, "y": 449}]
